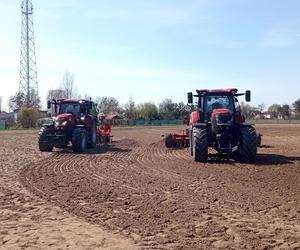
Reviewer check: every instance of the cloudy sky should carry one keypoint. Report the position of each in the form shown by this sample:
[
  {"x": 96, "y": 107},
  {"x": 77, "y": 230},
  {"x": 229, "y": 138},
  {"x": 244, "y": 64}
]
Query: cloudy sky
[{"x": 158, "y": 49}]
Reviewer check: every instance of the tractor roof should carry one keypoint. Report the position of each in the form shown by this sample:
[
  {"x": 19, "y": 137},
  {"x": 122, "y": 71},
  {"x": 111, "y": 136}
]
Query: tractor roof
[
  {"x": 73, "y": 101},
  {"x": 69, "y": 100},
  {"x": 229, "y": 90}
]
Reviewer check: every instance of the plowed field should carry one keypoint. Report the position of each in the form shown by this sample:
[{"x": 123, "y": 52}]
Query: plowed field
[{"x": 136, "y": 193}]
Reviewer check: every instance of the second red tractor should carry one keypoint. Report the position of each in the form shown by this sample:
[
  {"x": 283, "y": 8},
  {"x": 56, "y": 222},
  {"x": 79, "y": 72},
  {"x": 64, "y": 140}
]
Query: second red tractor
[{"x": 73, "y": 121}]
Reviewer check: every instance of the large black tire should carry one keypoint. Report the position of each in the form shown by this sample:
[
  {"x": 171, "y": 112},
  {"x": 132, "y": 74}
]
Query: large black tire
[
  {"x": 248, "y": 144},
  {"x": 93, "y": 137},
  {"x": 79, "y": 140},
  {"x": 44, "y": 146},
  {"x": 200, "y": 144},
  {"x": 191, "y": 141},
  {"x": 258, "y": 140},
  {"x": 168, "y": 140}
]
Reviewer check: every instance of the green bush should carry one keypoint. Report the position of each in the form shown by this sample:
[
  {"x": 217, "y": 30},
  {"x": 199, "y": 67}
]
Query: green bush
[{"x": 28, "y": 117}]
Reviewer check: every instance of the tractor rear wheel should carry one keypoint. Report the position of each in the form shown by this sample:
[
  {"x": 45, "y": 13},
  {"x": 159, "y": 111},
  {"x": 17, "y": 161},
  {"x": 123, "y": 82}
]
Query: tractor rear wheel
[
  {"x": 248, "y": 145},
  {"x": 93, "y": 137},
  {"x": 43, "y": 142},
  {"x": 191, "y": 142},
  {"x": 168, "y": 140},
  {"x": 200, "y": 144},
  {"x": 79, "y": 140}
]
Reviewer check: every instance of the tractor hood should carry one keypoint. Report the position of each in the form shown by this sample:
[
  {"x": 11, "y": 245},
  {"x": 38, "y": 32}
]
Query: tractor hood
[
  {"x": 221, "y": 121},
  {"x": 64, "y": 120},
  {"x": 221, "y": 116}
]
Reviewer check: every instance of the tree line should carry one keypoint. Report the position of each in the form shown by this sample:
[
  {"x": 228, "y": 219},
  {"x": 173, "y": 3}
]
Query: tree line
[
  {"x": 275, "y": 111},
  {"x": 147, "y": 110},
  {"x": 167, "y": 109}
]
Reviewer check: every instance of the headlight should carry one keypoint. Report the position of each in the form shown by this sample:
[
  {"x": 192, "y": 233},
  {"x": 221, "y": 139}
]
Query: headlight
[
  {"x": 62, "y": 122},
  {"x": 82, "y": 118}
]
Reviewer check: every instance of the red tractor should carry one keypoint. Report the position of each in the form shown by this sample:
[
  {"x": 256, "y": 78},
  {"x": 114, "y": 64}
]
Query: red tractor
[
  {"x": 219, "y": 123},
  {"x": 74, "y": 121}
]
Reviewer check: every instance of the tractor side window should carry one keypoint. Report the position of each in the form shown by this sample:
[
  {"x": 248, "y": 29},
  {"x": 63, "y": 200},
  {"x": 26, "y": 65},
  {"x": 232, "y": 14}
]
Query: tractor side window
[
  {"x": 93, "y": 111},
  {"x": 83, "y": 109},
  {"x": 237, "y": 104}
]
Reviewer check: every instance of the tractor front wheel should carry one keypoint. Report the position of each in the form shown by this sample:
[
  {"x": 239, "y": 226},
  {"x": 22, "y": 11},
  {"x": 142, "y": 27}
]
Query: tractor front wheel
[
  {"x": 248, "y": 144},
  {"x": 200, "y": 144},
  {"x": 43, "y": 142},
  {"x": 79, "y": 140}
]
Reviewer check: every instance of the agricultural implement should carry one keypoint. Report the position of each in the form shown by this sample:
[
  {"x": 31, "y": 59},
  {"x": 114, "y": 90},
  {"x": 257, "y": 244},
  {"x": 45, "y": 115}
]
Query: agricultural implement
[
  {"x": 217, "y": 122},
  {"x": 73, "y": 121},
  {"x": 104, "y": 134},
  {"x": 175, "y": 140}
]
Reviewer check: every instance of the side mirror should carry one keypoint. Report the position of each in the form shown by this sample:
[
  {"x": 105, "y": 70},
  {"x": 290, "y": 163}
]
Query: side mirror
[
  {"x": 48, "y": 105},
  {"x": 190, "y": 97},
  {"x": 248, "y": 95}
]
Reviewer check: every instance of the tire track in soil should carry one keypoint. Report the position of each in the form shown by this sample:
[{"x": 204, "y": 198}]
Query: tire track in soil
[{"x": 161, "y": 199}]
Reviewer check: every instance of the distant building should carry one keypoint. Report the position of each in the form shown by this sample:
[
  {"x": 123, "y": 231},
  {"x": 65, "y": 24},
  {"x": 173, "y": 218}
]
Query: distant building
[
  {"x": 266, "y": 115},
  {"x": 9, "y": 118},
  {"x": 256, "y": 114}
]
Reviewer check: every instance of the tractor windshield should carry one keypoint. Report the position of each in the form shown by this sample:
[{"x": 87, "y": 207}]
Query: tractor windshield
[
  {"x": 69, "y": 108},
  {"x": 218, "y": 102}
]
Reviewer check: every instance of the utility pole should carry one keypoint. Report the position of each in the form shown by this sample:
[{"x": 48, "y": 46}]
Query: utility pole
[{"x": 28, "y": 84}]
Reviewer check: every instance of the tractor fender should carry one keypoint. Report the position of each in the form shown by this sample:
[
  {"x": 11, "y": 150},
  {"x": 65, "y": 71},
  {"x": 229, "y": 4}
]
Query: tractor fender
[
  {"x": 194, "y": 118},
  {"x": 246, "y": 124},
  {"x": 89, "y": 121},
  {"x": 198, "y": 125}
]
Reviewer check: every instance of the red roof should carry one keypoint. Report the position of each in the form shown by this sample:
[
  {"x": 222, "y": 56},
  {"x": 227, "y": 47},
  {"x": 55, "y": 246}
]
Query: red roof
[{"x": 113, "y": 116}]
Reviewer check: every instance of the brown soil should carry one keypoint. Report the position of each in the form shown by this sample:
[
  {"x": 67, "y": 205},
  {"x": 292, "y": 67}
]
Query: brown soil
[{"x": 138, "y": 194}]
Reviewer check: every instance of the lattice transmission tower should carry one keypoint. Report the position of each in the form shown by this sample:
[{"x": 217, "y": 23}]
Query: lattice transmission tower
[{"x": 28, "y": 84}]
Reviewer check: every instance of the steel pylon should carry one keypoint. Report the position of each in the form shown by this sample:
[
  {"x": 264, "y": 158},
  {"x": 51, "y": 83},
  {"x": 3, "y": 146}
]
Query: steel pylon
[{"x": 28, "y": 84}]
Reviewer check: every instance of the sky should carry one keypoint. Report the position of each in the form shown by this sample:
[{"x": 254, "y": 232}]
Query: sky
[{"x": 158, "y": 49}]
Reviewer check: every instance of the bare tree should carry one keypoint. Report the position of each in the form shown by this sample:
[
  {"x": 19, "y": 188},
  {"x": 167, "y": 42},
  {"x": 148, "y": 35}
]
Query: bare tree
[
  {"x": 107, "y": 104},
  {"x": 247, "y": 110},
  {"x": 67, "y": 85},
  {"x": 261, "y": 107},
  {"x": 17, "y": 101},
  {"x": 130, "y": 108},
  {"x": 167, "y": 108},
  {"x": 56, "y": 94}
]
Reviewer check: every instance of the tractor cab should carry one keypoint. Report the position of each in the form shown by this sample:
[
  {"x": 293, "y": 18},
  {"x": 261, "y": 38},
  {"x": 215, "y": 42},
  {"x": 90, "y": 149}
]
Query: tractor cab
[
  {"x": 73, "y": 108},
  {"x": 214, "y": 102}
]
